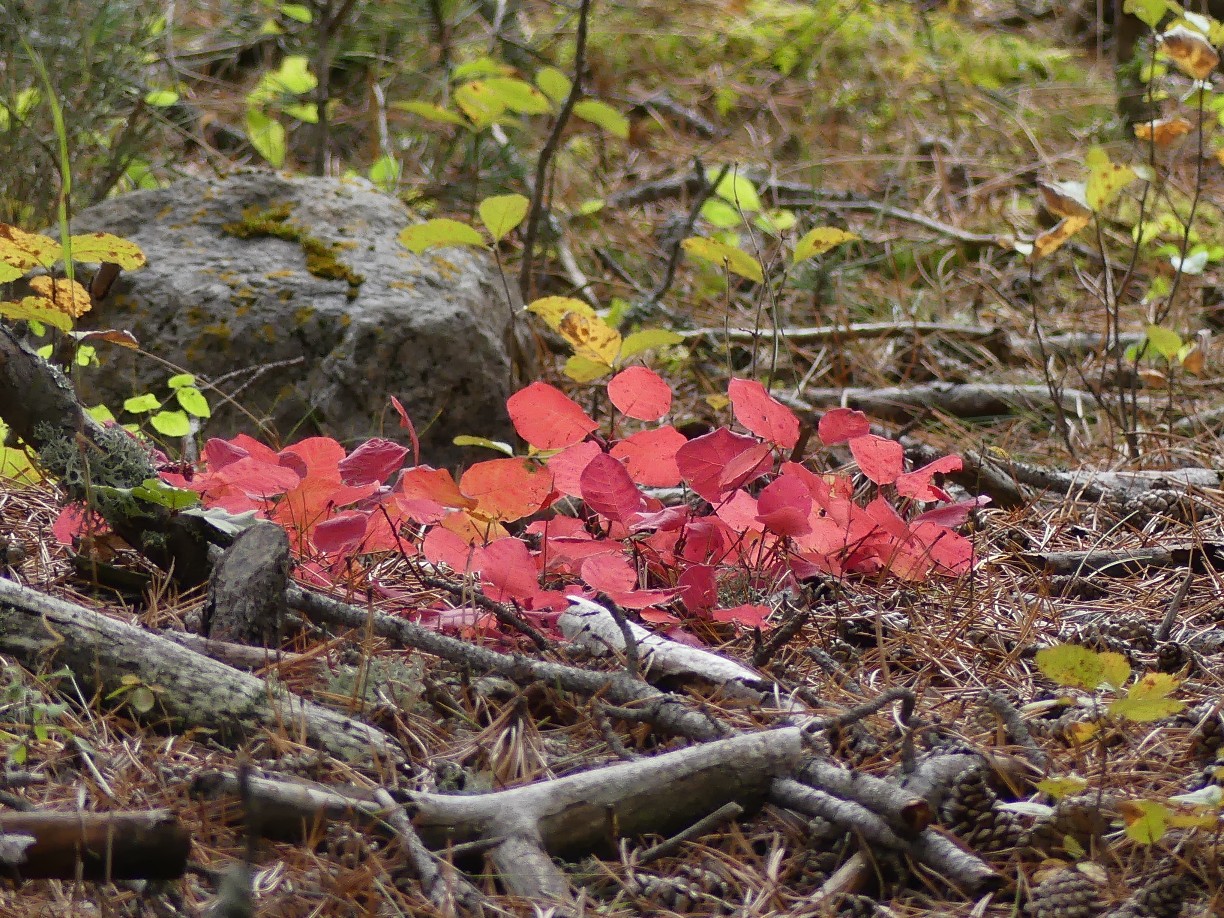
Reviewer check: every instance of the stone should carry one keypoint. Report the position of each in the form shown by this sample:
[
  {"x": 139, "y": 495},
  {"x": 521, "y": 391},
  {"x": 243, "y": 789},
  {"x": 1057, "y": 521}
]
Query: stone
[{"x": 229, "y": 295}]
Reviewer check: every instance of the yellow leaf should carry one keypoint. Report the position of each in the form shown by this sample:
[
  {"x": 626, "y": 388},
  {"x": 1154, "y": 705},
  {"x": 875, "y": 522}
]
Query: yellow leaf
[
  {"x": 1081, "y": 732},
  {"x": 585, "y": 370},
  {"x": 818, "y": 241},
  {"x": 552, "y": 309},
  {"x": 36, "y": 309},
  {"x": 67, "y": 296},
  {"x": 22, "y": 251},
  {"x": 1105, "y": 179},
  {"x": 1146, "y": 820},
  {"x": 590, "y": 337},
  {"x": 1190, "y": 50},
  {"x": 1052, "y": 239},
  {"x": 108, "y": 249}
]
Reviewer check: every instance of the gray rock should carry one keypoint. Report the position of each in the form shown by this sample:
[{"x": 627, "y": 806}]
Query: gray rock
[{"x": 305, "y": 354}]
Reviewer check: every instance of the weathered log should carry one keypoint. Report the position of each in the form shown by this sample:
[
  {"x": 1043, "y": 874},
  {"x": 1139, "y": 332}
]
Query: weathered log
[
  {"x": 150, "y": 845},
  {"x": 191, "y": 689}
]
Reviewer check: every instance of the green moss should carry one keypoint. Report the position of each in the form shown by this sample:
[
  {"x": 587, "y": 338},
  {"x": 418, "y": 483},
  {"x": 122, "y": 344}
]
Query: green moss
[{"x": 321, "y": 258}]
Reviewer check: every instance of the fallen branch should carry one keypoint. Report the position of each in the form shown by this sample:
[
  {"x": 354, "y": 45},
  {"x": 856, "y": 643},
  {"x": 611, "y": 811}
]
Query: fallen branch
[
  {"x": 100, "y": 847},
  {"x": 192, "y": 690}
]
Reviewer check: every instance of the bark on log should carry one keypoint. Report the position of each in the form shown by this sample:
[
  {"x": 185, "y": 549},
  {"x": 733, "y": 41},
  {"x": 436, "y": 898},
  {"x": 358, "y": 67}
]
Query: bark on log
[
  {"x": 150, "y": 845},
  {"x": 191, "y": 689},
  {"x": 246, "y": 591}
]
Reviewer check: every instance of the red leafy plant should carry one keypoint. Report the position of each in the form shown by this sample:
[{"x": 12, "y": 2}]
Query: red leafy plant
[{"x": 762, "y": 520}]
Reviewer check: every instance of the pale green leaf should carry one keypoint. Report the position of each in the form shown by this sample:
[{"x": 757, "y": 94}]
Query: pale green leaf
[
  {"x": 502, "y": 213},
  {"x": 1149, "y": 12},
  {"x": 720, "y": 214},
  {"x": 180, "y": 380},
  {"x": 1163, "y": 341},
  {"x": 140, "y": 404},
  {"x": 158, "y": 492},
  {"x": 192, "y": 401},
  {"x": 554, "y": 84},
  {"x": 737, "y": 190},
  {"x": 647, "y": 339},
  {"x": 306, "y": 112},
  {"x": 603, "y": 115},
  {"x": 171, "y": 423},
  {"x": 730, "y": 257},
  {"x": 298, "y": 12},
  {"x": 519, "y": 96},
  {"x": 584, "y": 369},
  {"x": 431, "y": 112},
  {"x": 161, "y": 98},
  {"x": 439, "y": 232},
  {"x": 267, "y": 136},
  {"x": 385, "y": 172},
  {"x": 485, "y": 442}
]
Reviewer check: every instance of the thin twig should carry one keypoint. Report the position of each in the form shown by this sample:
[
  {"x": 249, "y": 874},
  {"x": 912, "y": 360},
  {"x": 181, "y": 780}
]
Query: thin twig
[
  {"x": 535, "y": 214},
  {"x": 728, "y": 812},
  {"x": 504, "y": 613}
]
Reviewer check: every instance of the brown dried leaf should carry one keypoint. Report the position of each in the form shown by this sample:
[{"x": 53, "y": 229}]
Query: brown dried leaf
[
  {"x": 67, "y": 296},
  {"x": 1190, "y": 50}
]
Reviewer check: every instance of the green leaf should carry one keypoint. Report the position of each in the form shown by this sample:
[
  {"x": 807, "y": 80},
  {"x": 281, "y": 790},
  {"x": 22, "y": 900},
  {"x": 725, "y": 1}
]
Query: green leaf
[
  {"x": 554, "y": 84},
  {"x": 647, "y": 339},
  {"x": 439, "y": 232},
  {"x": 156, "y": 491},
  {"x": 591, "y": 206},
  {"x": 192, "y": 401},
  {"x": 141, "y": 699},
  {"x": 1105, "y": 179},
  {"x": 1145, "y": 710},
  {"x": 736, "y": 190},
  {"x": 431, "y": 112},
  {"x": 519, "y": 96},
  {"x": 180, "y": 380},
  {"x": 36, "y": 309},
  {"x": 502, "y": 213},
  {"x": 103, "y": 247},
  {"x": 140, "y": 404},
  {"x": 776, "y": 222},
  {"x": 298, "y": 12},
  {"x": 306, "y": 112},
  {"x": 720, "y": 214},
  {"x": 1163, "y": 341},
  {"x": 171, "y": 423},
  {"x": 100, "y": 413},
  {"x": 818, "y": 241},
  {"x": 385, "y": 172},
  {"x": 267, "y": 136},
  {"x": 603, "y": 115},
  {"x": 161, "y": 98},
  {"x": 480, "y": 67},
  {"x": 293, "y": 76},
  {"x": 495, "y": 445},
  {"x": 1149, "y": 12},
  {"x": 730, "y": 257}
]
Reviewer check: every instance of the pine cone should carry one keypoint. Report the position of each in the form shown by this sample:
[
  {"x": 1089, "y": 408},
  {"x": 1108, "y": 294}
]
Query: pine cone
[
  {"x": 969, "y": 811},
  {"x": 1125, "y": 634},
  {"x": 1172, "y": 506},
  {"x": 1162, "y": 897},
  {"x": 1208, "y": 733},
  {"x": 1066, "y": 893},
  {"x": 855, "y": 906}
]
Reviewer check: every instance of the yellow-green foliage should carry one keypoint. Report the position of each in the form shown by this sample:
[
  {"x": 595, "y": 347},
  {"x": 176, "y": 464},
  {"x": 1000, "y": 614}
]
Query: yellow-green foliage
[{"x": 321, "y": 260}]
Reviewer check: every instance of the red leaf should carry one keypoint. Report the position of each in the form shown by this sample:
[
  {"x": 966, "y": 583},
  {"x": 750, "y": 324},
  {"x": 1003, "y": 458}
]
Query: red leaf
[
  {"x": 748, "y": 615},
  {"x": 879, "y": 459},
  {"x": 650, "y": 456},
  {"x": 739, "y": 511},
  {"x": 547, "y": 418},
  {"x": 665, "y": 520},
  {"x": 918, "y": 483},
  {"x": 763, "y": 414},
  {"x": 423, "y": 482},
  {"x": 700, "y": 589},
  {"x": 748, "y": 466},
  {"x": 951, "y": 514},
  {"x": 70, "y": 523},
  {"x": 784, "y": 506},
  {"x": 314, "y": 457},
  {"x": 373, "y": 460},
  {"x": 703, "y": 461},
  {"x": 640, "y": 393},
  {"x": 612, "y": 575},
  {"x": 507, "y": 489},
  {"x": 508, "y": 571},
  {"x": 220, "y": 453},
  {"x": 608, "y": 489},
  {"x": 257, "y": 478},
  {"x": 342, "y": 533},
  {"x": 568, "y": 464},
  {"x": 705, "y": 538},
  {"x": 842, "y": 424},
  {"x": 441, "y": 546},
  {"x": 406, "y": 423}
]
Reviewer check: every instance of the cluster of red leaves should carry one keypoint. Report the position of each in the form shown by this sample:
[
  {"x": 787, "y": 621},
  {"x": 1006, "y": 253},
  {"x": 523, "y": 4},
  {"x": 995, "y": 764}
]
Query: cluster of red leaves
[{"x": 763, "y": 522}]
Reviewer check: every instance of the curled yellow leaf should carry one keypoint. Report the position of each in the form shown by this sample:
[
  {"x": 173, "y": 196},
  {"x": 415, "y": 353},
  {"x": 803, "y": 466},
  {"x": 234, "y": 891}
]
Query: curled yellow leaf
[{"x": 66, "y": 296}]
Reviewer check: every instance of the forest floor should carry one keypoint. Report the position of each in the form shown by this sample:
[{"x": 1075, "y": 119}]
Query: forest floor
[{"x": 925, "y": 138}]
